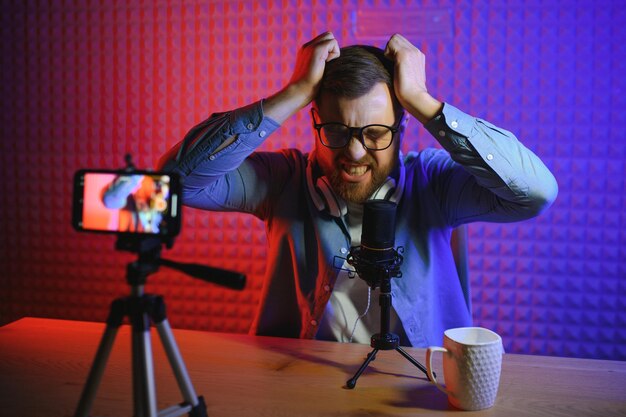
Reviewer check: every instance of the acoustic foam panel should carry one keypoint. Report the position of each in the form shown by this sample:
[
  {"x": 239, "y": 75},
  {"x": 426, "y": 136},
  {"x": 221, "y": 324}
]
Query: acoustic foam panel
[{"x": 84, "y": 82}]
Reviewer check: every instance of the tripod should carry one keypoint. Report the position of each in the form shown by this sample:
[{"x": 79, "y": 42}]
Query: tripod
[
  {"x": 141, "y": 309},
  {"x": 385, "y": 340}
]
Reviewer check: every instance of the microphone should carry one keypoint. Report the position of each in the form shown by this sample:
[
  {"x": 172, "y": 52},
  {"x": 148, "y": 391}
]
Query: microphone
[
  {"x": 379, "y": 230},
  {"x": 376, "y": 262},
  {"x": 376, "y": 258}
]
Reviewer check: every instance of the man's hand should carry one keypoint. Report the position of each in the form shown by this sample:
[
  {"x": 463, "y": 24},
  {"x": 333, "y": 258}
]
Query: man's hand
[
  {"x": 310, "y": 64},
  {"x": 410, "y": 79},
  {"x": 305, "y": 81}
]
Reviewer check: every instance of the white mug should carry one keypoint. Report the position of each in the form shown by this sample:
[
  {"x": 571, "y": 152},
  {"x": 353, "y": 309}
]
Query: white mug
[{"x": 472, "y": 360}]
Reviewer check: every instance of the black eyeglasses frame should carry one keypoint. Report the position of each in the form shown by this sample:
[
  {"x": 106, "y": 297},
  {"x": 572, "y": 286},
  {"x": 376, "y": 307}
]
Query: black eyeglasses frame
[{"x": 352, "y": 130}]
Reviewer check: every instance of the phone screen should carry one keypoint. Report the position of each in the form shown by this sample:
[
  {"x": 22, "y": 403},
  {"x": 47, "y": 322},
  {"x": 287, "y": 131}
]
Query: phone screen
[{"x": 119, "y": 202}]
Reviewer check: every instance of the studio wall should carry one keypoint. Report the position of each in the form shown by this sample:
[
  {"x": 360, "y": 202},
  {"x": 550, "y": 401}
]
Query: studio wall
[{"x": 82, "y": 83}]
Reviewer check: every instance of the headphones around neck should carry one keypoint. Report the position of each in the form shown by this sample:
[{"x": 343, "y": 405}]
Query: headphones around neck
[{"x": 324, "y": 197}]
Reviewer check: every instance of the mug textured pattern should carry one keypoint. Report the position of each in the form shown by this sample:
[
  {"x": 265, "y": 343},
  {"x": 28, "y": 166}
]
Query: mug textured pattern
[{"x": 480, "y": 374}]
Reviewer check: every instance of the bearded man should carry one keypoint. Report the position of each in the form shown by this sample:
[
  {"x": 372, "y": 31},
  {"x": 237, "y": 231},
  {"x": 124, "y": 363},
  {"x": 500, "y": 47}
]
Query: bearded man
[{"x": 312, "y": 204}]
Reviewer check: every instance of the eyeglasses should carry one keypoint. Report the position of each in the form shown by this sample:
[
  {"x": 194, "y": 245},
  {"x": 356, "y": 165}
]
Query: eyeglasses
[{"x": 336, "y": 135}]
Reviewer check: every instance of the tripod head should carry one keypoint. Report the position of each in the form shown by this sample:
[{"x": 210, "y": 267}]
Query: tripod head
[{"x": 148, "y": 249}]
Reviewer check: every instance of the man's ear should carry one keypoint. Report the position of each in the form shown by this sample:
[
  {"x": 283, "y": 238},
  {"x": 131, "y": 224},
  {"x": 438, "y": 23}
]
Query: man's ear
[{"x": 314, "y": 111}]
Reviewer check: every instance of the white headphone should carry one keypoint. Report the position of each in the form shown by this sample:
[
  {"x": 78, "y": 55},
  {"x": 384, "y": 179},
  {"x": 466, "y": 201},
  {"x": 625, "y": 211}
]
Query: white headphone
[{"x": 324, "y": 197}]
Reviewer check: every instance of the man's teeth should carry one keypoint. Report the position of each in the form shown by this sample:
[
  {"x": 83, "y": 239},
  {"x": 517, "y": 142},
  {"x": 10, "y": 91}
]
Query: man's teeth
[{"x": 356, "y": 170}]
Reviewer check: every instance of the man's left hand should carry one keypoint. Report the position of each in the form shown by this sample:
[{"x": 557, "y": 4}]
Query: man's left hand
[{"x": 410, "y": 79}]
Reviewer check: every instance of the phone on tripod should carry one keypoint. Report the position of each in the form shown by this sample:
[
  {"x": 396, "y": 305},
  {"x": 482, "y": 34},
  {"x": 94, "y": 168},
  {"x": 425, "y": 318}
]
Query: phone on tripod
[{"x": 127, "y": 202}]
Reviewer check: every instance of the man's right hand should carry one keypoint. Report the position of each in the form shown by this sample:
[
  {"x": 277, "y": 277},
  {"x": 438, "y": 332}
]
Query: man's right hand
[{"x": 305, "y": 81}]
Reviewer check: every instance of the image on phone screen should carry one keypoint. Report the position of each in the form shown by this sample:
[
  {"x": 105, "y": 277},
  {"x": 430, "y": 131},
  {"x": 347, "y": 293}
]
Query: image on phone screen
[{"x": 125, "y": 203}]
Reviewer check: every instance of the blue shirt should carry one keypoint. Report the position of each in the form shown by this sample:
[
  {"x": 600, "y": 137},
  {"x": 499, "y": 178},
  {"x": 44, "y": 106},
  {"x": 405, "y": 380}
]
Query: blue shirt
[{"x": 484, "y": 174}]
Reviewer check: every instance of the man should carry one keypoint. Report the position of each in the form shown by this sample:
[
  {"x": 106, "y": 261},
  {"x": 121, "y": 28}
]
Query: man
[
  {"x": 137, "y": 201},
  {"x": 312, "y": 203}
]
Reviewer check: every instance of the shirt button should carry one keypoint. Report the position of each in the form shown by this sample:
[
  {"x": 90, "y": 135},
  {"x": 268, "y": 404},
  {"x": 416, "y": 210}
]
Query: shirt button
[
  {"x": 250, "y": 126},
  {"x": 489, "y": 157},
  {"x": 442, "y": 133},
  {"x": 327, "y": 288},
  {"x": 262, "y": 133},
  {"x": 454, "y": 124},
  {"x": 313, "y": 322},
  {"x": 211, "y": 157},
  {"x": 343, "y": 250}
]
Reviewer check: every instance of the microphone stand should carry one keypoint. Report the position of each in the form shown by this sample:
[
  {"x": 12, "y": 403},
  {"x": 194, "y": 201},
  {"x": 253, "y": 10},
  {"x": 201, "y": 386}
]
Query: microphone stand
[{"x": 375, "y": 274}]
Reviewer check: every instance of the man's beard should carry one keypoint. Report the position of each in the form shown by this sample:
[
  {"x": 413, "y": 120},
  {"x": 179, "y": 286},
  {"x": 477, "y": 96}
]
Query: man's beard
[{"x": 359, "y": 192}]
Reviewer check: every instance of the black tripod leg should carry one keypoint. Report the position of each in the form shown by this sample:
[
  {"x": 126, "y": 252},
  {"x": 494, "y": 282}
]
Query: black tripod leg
[
  {"x": 370, "y": 357},
  {"x": 114, "y": 321},
  {"x": 413, "y": 361}
]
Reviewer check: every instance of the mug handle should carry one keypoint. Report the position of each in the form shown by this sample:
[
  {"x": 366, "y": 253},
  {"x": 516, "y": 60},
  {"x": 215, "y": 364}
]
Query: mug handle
[{"x": 429, "y": 367}]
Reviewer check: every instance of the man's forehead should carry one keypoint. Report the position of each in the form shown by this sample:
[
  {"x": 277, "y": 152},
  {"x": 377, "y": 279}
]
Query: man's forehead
[
  {"x": 379, "y": 102},
  {"x": 378, "y": 88},
  {"x": 379, "y": 94}
]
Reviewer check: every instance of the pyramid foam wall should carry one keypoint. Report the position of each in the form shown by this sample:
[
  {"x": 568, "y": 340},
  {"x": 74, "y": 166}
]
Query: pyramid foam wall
[{"x": 82, "y": 82}]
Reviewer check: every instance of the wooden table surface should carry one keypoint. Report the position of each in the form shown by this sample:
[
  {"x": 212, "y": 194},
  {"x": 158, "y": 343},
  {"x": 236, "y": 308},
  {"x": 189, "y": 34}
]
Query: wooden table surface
[{"x": 44, "y": 364}]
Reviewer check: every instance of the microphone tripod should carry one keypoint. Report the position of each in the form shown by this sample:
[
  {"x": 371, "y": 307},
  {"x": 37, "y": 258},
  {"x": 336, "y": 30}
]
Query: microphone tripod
[
  {"x": 385, "y": 340},
  {"x": 142, "y": 309},
  {"x": 376, "y": 262}
]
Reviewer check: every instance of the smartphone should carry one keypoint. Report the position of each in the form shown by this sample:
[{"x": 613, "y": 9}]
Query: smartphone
[{"x": 127, "y": 202}]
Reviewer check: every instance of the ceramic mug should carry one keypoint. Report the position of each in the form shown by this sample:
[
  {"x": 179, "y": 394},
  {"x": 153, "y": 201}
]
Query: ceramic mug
[{"x": 472, "y": 360}]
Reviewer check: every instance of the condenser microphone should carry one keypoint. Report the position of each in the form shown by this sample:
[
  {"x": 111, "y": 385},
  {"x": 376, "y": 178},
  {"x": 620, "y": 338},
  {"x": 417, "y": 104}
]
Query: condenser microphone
[
  {"x": 376, "y": 258},
  {"x": 379, "y": 230},
  {"x": 376, "y": 261}
]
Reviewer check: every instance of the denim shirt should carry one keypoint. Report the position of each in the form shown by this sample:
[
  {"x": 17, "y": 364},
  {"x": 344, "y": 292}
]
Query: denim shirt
[{"x": 484, "y": 174}]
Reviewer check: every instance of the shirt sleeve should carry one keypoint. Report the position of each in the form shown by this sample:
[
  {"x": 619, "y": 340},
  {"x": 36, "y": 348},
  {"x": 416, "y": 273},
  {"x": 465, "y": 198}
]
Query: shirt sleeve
[
  {"x": 115, "y": 196},
  {"x": 223, "y": 180},
  {"x": 500, "y": 179}
]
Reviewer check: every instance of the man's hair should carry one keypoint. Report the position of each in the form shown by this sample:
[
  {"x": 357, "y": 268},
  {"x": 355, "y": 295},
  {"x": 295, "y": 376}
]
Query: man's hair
[{"x": 355, "y": 72}]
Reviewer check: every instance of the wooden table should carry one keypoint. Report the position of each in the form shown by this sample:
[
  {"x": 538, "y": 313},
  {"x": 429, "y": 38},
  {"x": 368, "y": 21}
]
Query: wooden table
[{"x": 44, "y": 364}]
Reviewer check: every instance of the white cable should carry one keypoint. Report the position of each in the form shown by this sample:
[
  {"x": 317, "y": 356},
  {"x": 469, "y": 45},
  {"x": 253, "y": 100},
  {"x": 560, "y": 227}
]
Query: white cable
[{"x": 369, "y": 293}]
